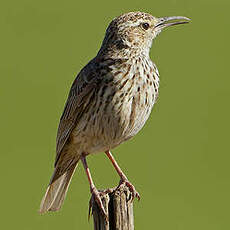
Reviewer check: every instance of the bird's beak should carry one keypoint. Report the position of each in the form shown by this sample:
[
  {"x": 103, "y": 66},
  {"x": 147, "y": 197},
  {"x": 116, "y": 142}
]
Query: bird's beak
[{"x": 170, "y": 21}]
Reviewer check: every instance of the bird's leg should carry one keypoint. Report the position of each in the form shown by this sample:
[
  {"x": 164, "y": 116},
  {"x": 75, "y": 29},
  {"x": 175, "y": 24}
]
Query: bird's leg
[
  {"x": 124, "y": 179},
  {"x": 93, "y": 189}
]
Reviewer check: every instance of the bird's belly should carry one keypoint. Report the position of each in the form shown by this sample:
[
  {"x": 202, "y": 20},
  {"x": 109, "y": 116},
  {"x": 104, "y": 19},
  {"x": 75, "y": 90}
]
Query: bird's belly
[
  {"x": 110, "y": 127},
  {"x": 137, "y": 119}
]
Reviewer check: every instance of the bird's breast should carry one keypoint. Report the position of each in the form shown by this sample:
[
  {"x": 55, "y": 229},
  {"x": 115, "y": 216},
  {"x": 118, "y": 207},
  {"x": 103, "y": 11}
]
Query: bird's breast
[
  {"x": 121, "y": 106},
  {"x": 129, "y": 99}
]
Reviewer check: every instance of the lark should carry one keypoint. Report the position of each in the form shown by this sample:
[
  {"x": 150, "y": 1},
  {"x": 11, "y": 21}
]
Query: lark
[{"x": 109, "y": 102}]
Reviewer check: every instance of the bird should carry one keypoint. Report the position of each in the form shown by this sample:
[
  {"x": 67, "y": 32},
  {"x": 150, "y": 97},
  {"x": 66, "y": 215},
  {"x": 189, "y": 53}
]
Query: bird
[{"x": 109, "y": 102}]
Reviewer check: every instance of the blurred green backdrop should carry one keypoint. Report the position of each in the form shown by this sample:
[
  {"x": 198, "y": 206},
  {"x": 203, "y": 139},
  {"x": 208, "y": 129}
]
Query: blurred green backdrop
[{"x": 179, "y": 162}]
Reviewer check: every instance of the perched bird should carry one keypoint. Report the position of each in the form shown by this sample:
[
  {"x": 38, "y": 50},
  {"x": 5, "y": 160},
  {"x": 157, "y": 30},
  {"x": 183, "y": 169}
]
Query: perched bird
[{"x": 109, "y": 101}]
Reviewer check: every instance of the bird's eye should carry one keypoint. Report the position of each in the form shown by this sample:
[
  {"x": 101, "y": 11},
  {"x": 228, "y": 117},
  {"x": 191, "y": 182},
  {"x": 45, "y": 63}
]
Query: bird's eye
[{"x": 145, "y": 25}]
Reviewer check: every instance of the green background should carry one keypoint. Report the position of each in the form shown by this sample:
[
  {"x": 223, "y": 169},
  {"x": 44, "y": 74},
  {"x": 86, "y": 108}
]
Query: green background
[{"x": 179, "y": 162}]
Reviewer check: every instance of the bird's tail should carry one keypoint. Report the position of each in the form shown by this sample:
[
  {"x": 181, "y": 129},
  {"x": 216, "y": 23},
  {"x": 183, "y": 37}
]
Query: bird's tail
[{"x": 56, "y": 191}]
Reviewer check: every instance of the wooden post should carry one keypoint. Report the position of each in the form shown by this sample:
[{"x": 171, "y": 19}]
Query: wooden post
[{"x": 117, "y": 203}]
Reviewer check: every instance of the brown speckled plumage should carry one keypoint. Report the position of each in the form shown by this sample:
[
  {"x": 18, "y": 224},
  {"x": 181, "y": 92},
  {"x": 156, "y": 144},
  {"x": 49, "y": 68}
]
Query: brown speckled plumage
[{"x": 109, "y": 101}]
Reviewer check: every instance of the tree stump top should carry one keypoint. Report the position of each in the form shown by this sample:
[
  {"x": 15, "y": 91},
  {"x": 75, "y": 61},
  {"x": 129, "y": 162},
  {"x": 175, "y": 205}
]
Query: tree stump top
[{"x": 119, "y": 206}]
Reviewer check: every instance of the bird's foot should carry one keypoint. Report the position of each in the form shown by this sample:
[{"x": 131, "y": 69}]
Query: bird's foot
[
  {"x": 96, "y": 196},
  {"x": 131, "y": 187}
]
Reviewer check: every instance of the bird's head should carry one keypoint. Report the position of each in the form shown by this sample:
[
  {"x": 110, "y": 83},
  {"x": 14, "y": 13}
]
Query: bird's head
[{"x": 136, "y": 30}]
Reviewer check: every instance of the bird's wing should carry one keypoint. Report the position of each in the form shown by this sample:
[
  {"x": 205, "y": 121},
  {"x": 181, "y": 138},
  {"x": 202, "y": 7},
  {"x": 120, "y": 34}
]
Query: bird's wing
[{"x": 82, "y": 88}]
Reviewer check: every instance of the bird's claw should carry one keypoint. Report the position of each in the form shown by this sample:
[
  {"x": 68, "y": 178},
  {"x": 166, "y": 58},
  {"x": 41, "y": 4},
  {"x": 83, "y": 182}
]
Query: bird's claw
[
  {"x": 132, "y": 189},
  {"x": 97, "y": 198}
]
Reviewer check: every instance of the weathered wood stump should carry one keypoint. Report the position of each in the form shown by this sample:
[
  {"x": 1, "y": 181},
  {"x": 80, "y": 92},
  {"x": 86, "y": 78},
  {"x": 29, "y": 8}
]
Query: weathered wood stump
[{"x": 119, "y": 206}]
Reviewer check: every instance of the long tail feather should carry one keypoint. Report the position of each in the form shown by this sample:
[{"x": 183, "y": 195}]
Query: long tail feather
[{"x": 56, "y": 192}]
